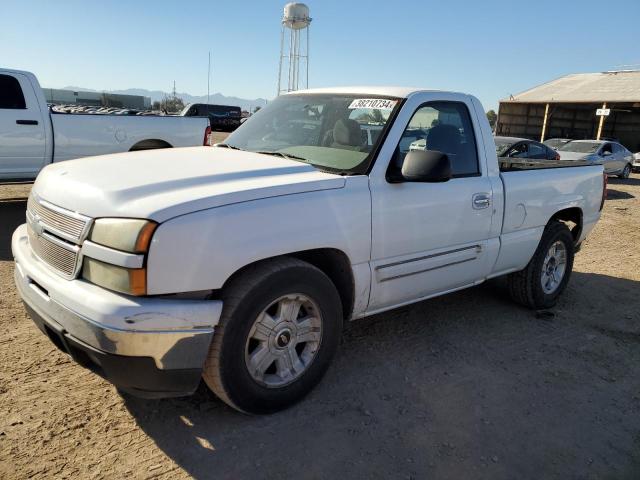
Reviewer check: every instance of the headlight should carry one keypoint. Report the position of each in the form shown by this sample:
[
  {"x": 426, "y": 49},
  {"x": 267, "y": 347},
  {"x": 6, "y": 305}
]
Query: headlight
[
  {"x": 126, "y": 234},
  {"x": 132, "y": 281},
  {"x": 132, "y": 236}
]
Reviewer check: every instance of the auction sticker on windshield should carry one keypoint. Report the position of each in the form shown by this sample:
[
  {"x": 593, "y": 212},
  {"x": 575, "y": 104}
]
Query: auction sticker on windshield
[{"x": 377, "y": 103}]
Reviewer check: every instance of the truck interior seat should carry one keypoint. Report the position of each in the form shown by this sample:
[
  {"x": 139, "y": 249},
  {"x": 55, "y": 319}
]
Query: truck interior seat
[{"x": 347, "y": 135}]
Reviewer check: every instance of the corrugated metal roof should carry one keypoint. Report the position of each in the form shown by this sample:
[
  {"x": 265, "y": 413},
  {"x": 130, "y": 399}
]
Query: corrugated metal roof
[{"x": 621, "y": 86}]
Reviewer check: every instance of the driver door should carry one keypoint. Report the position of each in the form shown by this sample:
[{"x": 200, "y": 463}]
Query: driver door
[
  {"x": 428, "y": 238},
  {"x": 608, "y": 158},
  {"x": 22, "y": 134}
]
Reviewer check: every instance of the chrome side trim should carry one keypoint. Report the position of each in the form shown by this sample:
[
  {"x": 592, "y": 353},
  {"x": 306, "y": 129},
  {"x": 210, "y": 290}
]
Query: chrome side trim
[
  {"x": 111, "y": 256},
  {"x": 427, "y": 263}
]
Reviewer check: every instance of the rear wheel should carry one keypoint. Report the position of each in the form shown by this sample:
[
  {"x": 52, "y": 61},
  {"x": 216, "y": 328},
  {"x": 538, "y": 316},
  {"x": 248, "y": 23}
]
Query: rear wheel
[
  {"x": 626, "y": 172},
  {"x": 546, "y": 276},
  {"x": 280, "y": 328}
]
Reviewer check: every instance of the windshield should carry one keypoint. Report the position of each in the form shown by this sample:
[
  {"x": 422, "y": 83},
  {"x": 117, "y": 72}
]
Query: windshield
[
  {"x": 556, "y": 142},
  {"x": 580, "y": 147},
  {"x": 330, "y": 131}
]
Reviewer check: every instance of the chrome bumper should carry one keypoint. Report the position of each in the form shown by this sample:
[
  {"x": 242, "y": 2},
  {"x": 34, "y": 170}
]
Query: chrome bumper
[{"x": 175, "y": 333}]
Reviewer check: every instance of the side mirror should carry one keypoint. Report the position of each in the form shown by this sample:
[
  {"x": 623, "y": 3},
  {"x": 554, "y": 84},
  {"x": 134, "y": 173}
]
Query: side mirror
[{"x": 426, "y": 166}]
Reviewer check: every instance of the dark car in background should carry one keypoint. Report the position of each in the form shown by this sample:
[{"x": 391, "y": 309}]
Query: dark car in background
[
  {"x": 512, "y": 147},
  {"x": 222, "y": 117}
]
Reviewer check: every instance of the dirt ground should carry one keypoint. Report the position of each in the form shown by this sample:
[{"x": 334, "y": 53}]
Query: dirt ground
[{"x": 464, "y": 386}]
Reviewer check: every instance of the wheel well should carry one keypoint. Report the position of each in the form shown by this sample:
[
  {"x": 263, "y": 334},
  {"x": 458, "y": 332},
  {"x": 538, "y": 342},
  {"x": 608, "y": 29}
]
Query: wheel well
[
  {"x": 334, "y": 264},
  {"x": 572, "y": 217},
  {"x": 150, "y": 144}
]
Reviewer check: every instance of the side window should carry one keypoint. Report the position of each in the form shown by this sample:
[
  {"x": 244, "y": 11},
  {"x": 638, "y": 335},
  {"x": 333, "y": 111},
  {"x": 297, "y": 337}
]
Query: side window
[
  {"x": 519, "y": 151},
  {"x": 607, "y": 148},
  {"x": 537, "y": 151},
  {"x": 11, "y": 96},
  {"x": 446, "y": 127},
  {"x": 617, "y": 148}
]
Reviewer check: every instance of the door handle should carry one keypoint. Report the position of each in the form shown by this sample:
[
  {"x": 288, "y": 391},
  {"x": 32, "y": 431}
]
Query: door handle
[
  {"x": 27, "y": 122},
  {"x": 481, "y": 201}
]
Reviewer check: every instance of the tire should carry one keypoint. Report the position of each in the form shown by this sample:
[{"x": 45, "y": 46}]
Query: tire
[
  {"x": 250, "y": 297},
  {"x": 625, "y": 172},
  {"x": 526, "y": 286}
]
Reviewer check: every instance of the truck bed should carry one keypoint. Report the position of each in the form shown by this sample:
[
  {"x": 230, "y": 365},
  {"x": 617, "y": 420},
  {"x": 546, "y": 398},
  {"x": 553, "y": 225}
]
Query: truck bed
[
  {"x": 516, "y": 164},
  {"x": 84, "y": 135},
  {"x": 530, "y": 194}
]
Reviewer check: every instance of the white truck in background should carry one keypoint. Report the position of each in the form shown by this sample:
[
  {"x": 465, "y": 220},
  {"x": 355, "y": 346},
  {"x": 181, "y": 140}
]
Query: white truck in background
[
  {"x": 32, "y": 136},
  {"x": 239, "y": 263}
]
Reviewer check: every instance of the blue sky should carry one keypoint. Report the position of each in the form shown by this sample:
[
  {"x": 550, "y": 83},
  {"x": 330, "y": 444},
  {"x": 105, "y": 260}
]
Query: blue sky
[{"x": 488, "y": 48}]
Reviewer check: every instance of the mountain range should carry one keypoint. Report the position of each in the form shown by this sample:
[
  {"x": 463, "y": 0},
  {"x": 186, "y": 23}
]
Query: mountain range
[{"x": 157, "y": 95}]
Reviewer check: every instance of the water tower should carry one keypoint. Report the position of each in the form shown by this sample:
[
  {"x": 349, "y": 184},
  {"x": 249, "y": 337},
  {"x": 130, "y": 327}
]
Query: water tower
[{"x": 295, "y": 50}]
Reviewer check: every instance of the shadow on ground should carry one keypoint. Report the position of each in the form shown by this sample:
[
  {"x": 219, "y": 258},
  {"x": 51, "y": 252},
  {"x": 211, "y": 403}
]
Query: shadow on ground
[
  {"x": 464, "y": 386},
  {"x": 618, "y": 194},
  {"x": 633, "y": 180},
  {"x": 11, "y": 214}
]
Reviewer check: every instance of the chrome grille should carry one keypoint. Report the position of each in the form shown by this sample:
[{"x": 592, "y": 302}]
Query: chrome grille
[
  {"x": 66, "y": 224},
  {"x": 61, "y": 256}
]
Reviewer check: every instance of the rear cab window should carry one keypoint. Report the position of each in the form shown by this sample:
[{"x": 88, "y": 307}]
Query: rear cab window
[{"x": 11, "y": 96}]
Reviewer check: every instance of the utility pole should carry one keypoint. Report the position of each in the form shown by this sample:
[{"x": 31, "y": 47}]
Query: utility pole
[
  {"x": 601, "y": 123},
  {"x": 208, "y": 76},
  {"x": 544, "y": 122}
]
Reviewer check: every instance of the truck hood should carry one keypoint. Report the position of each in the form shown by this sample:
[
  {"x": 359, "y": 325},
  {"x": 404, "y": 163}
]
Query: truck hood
[{"x": 162, "y": 184}]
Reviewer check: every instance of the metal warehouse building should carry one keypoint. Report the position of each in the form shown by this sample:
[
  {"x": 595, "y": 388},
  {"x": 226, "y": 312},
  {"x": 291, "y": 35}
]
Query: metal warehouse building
[
  {"x": 98, "y": 99},
  {"x": 580, "y": 106}
]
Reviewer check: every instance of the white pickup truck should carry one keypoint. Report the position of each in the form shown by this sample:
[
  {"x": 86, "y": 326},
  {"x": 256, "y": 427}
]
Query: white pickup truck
[
  {"x": 239, "y": 264},
  {"x": 32, "y": 136}
]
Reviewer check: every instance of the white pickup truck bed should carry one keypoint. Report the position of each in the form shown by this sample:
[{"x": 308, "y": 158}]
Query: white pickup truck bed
[
  {"x": 31, "y": 136},
  {"x": 82, "y": 135}
]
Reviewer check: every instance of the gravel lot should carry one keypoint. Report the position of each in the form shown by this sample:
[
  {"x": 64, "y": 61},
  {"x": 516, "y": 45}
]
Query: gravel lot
[{"x": 465, "y": 386}]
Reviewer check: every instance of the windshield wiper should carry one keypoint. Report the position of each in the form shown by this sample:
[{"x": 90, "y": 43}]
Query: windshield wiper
[
  {"x": 284, "y": 155},
  {"x": 226, "y": 145}
]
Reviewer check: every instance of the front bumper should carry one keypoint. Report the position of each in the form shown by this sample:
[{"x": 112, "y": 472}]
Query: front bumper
[{"x": 149, "y": 346}]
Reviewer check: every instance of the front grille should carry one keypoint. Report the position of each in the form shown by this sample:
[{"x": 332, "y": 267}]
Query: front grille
[
  {"x": 69, "y": 225},
  {"x": 61, "y": 256}
]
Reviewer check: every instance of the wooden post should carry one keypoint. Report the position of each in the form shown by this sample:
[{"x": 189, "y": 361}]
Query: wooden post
[
  {"x": 604, "y": 105},
  {"x": 544, "y": 122}
]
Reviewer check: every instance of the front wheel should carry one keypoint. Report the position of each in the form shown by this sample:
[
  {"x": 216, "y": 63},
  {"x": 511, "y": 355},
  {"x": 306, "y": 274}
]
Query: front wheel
[
  {"x": 279, "y": 330},
  {"x": 546, "y": 276},
  {"x": 626, "y": 172}
]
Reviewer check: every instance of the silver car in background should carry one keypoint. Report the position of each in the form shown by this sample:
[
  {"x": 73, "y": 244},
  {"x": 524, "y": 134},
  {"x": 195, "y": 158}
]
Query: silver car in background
[
  {"x": 617, "y": 160},
  {"x": 636, "y": 162}
]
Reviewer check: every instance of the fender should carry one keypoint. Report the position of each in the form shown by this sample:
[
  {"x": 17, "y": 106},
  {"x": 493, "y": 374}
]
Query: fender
[{"x": 201, "y": 250}]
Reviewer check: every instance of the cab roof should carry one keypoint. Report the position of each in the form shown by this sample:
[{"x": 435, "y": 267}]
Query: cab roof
[{"x": 398, "y": 92}]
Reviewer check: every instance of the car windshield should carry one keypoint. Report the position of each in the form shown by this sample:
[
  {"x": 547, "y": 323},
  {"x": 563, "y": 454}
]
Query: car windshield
[
  {"x": 580, "y": 147},
  {"x": 338, "y": 133},
  {"x": 556, "y": 142},
  {"x": 502, "y": 146}
]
